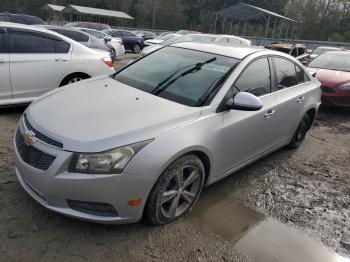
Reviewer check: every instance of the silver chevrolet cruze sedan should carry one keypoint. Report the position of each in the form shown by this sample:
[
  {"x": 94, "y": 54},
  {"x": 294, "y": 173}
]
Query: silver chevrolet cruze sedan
[{"x": 144, "y": 141}]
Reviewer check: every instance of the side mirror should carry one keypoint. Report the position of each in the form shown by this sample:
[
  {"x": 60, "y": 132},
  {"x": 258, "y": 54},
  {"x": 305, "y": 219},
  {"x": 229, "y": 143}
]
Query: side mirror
[
  {"x": 245, "y": 102},
  {"x": 107, "y": 39},
  {"x": 313, "y": 74}
]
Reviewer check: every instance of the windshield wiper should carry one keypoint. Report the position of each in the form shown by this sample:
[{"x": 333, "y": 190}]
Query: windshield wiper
[
  {"x": 210, "y": 91},
  {"x": 159, "y": 89}
]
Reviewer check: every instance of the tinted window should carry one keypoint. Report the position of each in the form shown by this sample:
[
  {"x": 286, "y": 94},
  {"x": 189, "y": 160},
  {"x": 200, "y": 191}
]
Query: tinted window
[
  {"x": 116, "y": 34},
  {"x": 127, "y": 34},
  {"x": 294, "y": 52},
  {"x": 286, "y": 75},
  {"x": 28, "y": 42},
  {"x": 61, "y": 47},
  {"x": 3, "y": 17},
  {"x": 84, "y": 38},
  {"x": 301, "y": 51},
  {"x": 2, "y": 40},
  {"x": 76, "y": 36},
  {"x": 16, "y": 19},
  {"x": 256, "y": 78},
  {"x": 301, "y": 75}
]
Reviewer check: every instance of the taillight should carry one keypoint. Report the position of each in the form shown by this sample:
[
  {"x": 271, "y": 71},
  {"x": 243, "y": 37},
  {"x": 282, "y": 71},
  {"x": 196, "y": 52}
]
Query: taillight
[{"x": 108, "y": 61}]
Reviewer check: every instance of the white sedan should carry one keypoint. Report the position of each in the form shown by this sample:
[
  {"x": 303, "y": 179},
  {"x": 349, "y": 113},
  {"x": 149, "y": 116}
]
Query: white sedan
[
  {"x": 34, "y": 61},
  {"x": 115, "y": 43}
]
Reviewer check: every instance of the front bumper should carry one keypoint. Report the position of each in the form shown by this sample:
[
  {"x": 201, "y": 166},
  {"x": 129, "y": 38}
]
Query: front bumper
[{"x": 56, "y": 188}]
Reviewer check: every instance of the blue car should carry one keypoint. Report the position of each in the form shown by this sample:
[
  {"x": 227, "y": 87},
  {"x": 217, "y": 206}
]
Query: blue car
[{"x": 132, "y": 42}]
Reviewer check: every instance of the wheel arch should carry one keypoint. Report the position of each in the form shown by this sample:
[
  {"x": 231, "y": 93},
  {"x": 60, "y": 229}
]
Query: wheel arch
[
  {"x": 65, "y": 79},
  {"x": 312, "y": 112}
]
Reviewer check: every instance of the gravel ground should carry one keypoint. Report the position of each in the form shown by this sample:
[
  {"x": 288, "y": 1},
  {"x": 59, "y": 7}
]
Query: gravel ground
[{"x": 308, "y": 188}]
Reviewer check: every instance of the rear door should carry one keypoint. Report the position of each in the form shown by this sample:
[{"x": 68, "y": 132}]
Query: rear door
[
  {"x": 5, "y": 86},
  {"x": 290, "y": 90},
  {"x": 38, "y": 62}
]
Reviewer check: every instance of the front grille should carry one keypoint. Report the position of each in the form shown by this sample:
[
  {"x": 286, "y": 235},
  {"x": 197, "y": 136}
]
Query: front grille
[
  {"x": 41, "y": 136},
  {"x": 327, "y": 89},
  {"x": 33, "y": 156}
]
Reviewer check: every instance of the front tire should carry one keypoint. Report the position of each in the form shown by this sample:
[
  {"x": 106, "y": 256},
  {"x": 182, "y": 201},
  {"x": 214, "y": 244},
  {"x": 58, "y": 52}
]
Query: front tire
[
  {"x": 301, "y": 132},
  {"x": 176, "y": 191}
]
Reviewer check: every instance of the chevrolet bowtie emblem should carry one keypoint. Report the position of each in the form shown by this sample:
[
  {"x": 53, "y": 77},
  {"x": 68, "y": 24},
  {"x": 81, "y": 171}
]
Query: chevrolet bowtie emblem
[{"x": 28, "y": 138}]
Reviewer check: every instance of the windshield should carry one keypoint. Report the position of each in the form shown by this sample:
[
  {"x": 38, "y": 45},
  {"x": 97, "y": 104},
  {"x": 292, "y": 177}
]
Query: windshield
[
  {"x": 184, "y": 76},
  {"x": 332, "y": 61}
]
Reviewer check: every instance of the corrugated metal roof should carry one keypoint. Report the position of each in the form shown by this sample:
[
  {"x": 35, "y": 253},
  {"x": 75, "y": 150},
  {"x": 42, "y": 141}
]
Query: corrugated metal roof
[
  {"x": 244, "y": 11},
  {"x": 56, "y": 8},
  {"x": 95, "y": 11}
]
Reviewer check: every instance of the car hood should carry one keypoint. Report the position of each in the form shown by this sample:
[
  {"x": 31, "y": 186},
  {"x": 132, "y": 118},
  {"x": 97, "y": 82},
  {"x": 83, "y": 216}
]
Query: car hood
[
  {"x": 150, "y": 49},
  {"x": 331, "y": 77},
  {"x": 154, "y": 41},
  {"x": 99, "y": 114}
]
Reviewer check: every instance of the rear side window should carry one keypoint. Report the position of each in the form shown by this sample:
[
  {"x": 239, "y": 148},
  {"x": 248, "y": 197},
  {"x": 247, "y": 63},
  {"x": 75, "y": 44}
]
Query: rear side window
[
  {"x": 286, "y": 74},
  {"x": 76, "y": 36},
  {"x": 301, "y": 51},
  {"x": 16, "y": 19},
  {"x": 116, "y": 34},
  {"x": 127, "y": 34},
  {"x": 61, "y": 47},
  {"x": 30, "y": 42},
  {"x": 3, "y": 17},
  {"x": 256, "y": 78}
]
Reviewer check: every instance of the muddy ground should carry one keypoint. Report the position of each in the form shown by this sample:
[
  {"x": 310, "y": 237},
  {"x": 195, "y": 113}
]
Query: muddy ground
[{"x": 307, "y": 189}]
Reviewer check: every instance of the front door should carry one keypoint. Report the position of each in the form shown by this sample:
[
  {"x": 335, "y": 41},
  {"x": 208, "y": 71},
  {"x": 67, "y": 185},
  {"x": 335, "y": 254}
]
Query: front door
[
  {"x": 38, "y": 62},
  {"x": 247, "y": 134},
  {"x": 5, "y": 86}
]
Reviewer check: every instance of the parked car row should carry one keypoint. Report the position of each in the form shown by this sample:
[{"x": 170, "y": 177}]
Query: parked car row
[
  {"x": 229, "y": 40},
  {"x": 35, "y": 60}
]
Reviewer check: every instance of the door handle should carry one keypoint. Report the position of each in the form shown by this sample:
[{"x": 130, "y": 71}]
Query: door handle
[
  {"x": 60, "y": 60},
  {"x": 270, "y": 113},
  {"x": 300, "y": 99}
]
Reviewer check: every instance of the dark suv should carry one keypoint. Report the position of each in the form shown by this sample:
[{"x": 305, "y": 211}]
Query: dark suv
[
  {"x": 132, "y": 42},
  {"x": 21, "y": 19}
]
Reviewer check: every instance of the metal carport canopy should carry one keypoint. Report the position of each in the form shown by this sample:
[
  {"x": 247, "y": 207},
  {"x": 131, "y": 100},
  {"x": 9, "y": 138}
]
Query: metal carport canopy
[
  {"x": 75, "y": 9},
  {"x": 56, "y": 8},
  {"x": 244, "y": 11}
]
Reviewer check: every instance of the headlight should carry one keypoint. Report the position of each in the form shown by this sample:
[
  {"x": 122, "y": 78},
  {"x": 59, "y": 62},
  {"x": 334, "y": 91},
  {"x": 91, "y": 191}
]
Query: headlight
[
  {"x": 110, "y": 162},
  {"x": 345, "y": 86}
]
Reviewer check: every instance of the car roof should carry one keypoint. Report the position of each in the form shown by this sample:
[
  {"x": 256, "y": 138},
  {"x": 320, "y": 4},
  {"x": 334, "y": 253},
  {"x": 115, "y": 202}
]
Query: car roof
[
  {"x": 23, "y": 26},
  {"x": 239, "y": 52},
  {"x": 345, "y": 52}
]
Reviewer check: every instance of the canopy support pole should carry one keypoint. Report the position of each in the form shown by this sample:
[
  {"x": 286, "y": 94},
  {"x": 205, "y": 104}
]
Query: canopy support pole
[
  {"x": 223, "y": 25},
  {"x": 216, "y": 19},
  {"x": 267, "y": 26},
  {"x": 274, "y": 29},
  {"x": 245, "y": 27},
  {"x": 287, "y": 32}
]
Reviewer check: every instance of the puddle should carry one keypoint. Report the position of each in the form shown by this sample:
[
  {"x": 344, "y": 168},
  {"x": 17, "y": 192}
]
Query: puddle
[{"x": 262, "y": 239}]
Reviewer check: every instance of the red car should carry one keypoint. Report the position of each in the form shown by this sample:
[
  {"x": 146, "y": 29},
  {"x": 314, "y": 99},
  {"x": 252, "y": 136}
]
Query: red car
[{"x": 333, "y": 71}]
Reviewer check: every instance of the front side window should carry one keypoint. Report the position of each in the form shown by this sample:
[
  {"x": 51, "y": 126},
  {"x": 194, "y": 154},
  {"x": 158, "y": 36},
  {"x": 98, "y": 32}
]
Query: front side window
[
  {"x": 3, "y": 17},
  {"x": 286, "y": 74},
  {"x": 184, "y": 76},
  {"x": 76, "y": 36},
  {"x": 255, "y": 79},
  {"x": 30, "y": 42}
]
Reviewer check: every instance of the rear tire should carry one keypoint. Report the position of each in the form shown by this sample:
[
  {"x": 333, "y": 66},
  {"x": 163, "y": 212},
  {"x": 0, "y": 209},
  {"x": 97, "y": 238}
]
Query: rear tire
[
  {"x": 136, "y": 49},
  {"x": 300, "y": 133},
  {"x": 176, "y": 191}
]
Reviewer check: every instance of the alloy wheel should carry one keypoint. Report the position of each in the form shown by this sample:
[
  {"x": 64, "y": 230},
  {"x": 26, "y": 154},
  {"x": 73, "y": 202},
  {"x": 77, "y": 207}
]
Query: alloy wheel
[
  {"x": 75, "y": 79},
  {"x": 181, "y": 191},
  {"x": 302, "y": 130}
]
